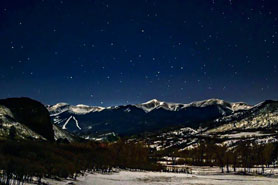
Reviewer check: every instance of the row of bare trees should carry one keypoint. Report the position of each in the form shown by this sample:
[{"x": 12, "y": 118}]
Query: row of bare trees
[
  {"x": 22, "y": 161},
  {"x": 245, "y": 155}
]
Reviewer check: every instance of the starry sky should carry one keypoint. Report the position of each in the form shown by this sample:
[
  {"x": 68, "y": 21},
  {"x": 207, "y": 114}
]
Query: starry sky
[{"x": 104, "y": 52}]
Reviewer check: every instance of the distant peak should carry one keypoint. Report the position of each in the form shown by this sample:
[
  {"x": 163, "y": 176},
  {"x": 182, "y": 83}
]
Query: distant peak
[
  {"x": 152, "y": 101},
  {"x": 62, "y": 103},
  {"x": 214, "y": 100},
  {"x": 58, "y": 105},
  {"x": 157, "y": 104},
  {"x": 82, "y": 105}
]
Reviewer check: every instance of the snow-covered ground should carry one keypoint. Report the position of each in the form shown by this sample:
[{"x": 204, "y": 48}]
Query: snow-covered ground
[{"x": 162, "y": 178}]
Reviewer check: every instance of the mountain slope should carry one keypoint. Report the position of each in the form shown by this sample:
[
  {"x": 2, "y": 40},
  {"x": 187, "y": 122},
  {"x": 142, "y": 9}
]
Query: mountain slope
[
  {"x": 263, "y": 116},
  {"x": 24, "y": 118},
  {"x": 61, "y": 135},
  {"x": 12, "y": 129},
  {"x": 32, "y": 114}
]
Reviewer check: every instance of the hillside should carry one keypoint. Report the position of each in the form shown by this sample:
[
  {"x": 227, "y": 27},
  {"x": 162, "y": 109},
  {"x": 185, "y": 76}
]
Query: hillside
[
  {"x": 258, "y": 124},
  {"x": 27, "y": 119}
]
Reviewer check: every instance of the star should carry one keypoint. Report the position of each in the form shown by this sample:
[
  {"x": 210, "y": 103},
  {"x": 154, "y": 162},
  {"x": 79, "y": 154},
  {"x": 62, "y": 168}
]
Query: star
[{"x": 164, "y": 51}]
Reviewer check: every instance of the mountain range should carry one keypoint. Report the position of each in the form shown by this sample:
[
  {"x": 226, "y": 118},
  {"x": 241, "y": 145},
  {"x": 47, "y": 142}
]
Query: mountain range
[
  {"x": 161, "y": 125},
  {"x": 139, "y": 118}
]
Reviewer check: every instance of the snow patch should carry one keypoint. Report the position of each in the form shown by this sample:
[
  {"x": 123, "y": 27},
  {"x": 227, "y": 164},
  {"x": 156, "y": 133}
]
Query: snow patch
[{"x": 76, "y": 123}]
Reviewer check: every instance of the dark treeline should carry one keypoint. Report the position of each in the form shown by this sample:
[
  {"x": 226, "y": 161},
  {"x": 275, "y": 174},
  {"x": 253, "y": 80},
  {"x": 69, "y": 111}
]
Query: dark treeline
[
  {"x": 24, "y": 160},
  {"x": 245, "y": 155}
]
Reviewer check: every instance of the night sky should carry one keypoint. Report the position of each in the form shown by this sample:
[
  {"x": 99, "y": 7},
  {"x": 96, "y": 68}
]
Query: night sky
[{"x": 101, "y": 52}]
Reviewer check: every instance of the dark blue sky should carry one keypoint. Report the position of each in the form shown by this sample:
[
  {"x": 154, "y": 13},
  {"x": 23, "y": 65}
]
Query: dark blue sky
[{"x": 102, "y": 52}]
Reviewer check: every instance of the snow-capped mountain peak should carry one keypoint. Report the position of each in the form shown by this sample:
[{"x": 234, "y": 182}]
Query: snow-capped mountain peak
[
  {"x": 58, "y": 106},
  {"x": 82, "y": 105},
  {"x": 153, "y": 101},
  {"x": 156, "y": 104}
]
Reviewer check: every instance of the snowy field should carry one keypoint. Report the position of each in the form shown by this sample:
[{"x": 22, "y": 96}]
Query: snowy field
[{"x": 157, "y": 178}]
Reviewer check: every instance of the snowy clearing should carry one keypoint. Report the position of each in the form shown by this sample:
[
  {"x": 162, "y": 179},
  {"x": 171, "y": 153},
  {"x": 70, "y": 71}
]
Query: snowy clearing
[{"x": 161, "y": 178}]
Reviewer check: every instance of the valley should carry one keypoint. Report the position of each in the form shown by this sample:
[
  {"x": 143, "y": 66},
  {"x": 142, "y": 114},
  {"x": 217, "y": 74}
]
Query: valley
[{"x": 150, "y": 143}]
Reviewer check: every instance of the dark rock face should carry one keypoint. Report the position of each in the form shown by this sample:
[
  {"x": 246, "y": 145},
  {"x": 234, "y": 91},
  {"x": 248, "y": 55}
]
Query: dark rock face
[{"x": 31, "y": 113}]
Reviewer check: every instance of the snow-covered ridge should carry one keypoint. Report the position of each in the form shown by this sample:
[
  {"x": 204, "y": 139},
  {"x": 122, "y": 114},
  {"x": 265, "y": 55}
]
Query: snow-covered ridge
[
  {"x": 75, "y": 109},
  {"x": 156, "y": 104},
  {"x": 208, "y": 102},
  {"x": 234, "y": 106}
]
